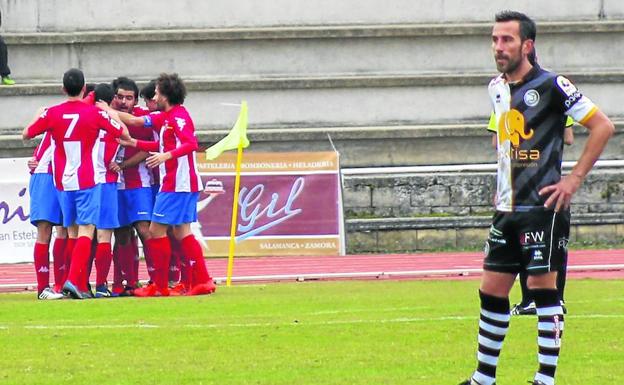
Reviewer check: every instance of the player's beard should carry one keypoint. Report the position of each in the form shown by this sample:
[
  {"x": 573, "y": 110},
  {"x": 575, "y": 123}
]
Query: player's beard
[{"x": 511, "y": 65}]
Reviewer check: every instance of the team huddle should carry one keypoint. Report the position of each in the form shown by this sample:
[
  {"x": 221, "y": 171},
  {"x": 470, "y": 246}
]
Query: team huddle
[{"x": 107, "y": 166}]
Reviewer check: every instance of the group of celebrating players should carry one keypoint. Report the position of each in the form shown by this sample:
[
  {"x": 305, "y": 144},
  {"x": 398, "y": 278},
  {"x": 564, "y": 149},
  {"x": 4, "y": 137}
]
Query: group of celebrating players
[{"x": 105, "y": 166}]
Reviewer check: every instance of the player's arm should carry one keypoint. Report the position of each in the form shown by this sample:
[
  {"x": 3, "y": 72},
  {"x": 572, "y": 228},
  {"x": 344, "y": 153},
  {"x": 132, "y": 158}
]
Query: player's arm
[
  {"x": 568, "y": 133},
  {"x": 600, "y": 130},
  {"x": 492, "y": 128},
  {"x": 188, "y": 144},
  {"x": 600, "y": 127},
  {"x": 37, "y": 125},
  {"x": 134, "y": 160},
  {"x": 126, "y": 118},
  {"x": 112, "y": 126},
  {"x": 125, "y": 133},
  {"x": 32, "y": 164}
]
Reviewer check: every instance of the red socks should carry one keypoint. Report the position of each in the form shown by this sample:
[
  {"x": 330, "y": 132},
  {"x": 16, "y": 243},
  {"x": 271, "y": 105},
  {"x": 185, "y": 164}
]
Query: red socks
[
  {"x": 159, "y": 249},
  {"x": 174, "y": 263},
  {"x": 58, "y": 252},
  {"x": 42, "y": 266},
  {"x": 103, "y": 259},
  {"x": 195, "y": 256},
  {"x": 186, "y": 273},
  {"x": 79, "y": 260},
  {"x": 69, "y": 249}
]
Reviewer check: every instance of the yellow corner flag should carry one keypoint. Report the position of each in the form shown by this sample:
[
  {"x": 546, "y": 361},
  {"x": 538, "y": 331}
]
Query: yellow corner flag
[
  {"x": 236, "y": 136},
  {"x": 235, "y": 139}
]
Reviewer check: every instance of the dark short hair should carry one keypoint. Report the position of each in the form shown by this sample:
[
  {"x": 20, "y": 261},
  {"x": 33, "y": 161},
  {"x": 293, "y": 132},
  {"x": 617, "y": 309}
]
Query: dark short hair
[
  {"x": 125, "y": 84},
  {"x": 73, "y": 81},
  {"x": 149, "y": 90},
  {"x": 171, "y": 87},
  {"x": 532, "y": 57},
  {"x": 104, "y": 92},
  {"x": 89, "y": 87},
  {"x": 528, "y": 29}
]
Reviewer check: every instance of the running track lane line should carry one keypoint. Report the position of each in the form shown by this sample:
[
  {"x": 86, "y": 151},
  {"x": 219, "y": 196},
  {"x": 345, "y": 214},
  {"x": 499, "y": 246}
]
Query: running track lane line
[{"x": 450, "y": 265}]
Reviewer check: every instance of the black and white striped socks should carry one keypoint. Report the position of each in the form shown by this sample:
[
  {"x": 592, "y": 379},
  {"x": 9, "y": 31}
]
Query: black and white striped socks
[
  {"x": 549, "y": 333},
  {"x": 493, "y": 326}
]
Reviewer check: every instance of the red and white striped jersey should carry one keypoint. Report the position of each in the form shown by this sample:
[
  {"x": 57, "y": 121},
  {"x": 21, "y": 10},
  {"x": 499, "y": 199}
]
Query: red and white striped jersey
[
  {"x": 176, "y": 135},
  {"x": 107, "y": 151},
  {"x": 75, "y": 129},
  {"x": 43, "y": 155},
  {"x": 139, "y": 175}
]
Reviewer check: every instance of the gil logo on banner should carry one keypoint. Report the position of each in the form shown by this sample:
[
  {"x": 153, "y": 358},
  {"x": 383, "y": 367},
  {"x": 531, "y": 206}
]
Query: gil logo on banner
[{"x": 289, "y": 204}]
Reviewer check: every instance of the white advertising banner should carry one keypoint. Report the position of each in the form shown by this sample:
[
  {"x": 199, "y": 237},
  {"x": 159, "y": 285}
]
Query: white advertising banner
[{"x": 17, "y": 235}]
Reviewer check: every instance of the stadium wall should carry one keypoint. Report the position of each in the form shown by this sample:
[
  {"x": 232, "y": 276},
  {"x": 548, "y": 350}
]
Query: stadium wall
[{"x": 76, "y": 15}]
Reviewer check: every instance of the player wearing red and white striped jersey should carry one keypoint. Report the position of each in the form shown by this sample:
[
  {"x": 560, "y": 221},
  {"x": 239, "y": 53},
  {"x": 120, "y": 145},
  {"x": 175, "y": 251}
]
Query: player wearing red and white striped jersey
[
  {"x": 179, "y": 266},
  {"x": 75, "y": 128},
  {"x": 176, "y": 202},
  {"x": 107, "y": 219},
  {"x": 45, "y": 212},
  {"x": 134, "y": 192}
]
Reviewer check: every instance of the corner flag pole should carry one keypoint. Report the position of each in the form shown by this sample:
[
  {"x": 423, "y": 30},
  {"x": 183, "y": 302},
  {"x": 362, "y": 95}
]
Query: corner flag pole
[
  {"x": 236, "y": 138},
  {"x": 230, "y": 267}
]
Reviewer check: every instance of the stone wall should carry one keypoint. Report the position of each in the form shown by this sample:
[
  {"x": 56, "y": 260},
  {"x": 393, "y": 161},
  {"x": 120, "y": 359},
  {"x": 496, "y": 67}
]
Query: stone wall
[
  {"x": 461, "y": 194},
  {"x": 426, "y": 212}
]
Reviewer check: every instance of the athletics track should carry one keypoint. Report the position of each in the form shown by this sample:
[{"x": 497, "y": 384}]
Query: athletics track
[{"x": 607, "y": 264}]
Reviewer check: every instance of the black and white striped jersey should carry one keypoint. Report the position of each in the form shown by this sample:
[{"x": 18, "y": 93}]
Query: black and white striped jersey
[{"x": 529, "y": 118}]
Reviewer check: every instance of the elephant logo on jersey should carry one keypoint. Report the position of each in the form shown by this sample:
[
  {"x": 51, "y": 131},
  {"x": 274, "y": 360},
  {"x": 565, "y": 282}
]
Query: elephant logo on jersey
[{"x": 511, "y": 127}]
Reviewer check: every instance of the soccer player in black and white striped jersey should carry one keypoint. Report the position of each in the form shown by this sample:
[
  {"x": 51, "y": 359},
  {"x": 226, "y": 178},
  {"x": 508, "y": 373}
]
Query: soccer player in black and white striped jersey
[{"x": 531, "y": 106}]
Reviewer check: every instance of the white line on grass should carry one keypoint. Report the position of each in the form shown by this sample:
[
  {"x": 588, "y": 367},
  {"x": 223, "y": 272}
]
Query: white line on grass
[
  {"x": 136, "y": 326},
  {"x": 284, "y": 324}
]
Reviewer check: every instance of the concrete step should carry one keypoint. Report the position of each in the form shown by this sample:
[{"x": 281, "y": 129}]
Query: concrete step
[
  {"x": 329, "y": 101},
  {"x": 78, "y": 15},
  {"x": 384, "y": 146},
  {"x": 303, "y": 51}
]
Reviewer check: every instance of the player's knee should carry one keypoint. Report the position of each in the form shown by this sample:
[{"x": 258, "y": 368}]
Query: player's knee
[
  {"x": 543, "y": 281},
  {"x": 44, "y": 232},
  {"x": 122, "y": 236}
]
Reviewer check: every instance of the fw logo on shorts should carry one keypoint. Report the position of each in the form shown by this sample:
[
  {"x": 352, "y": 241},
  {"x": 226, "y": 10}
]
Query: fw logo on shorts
[{"x": 532, "y": 237}]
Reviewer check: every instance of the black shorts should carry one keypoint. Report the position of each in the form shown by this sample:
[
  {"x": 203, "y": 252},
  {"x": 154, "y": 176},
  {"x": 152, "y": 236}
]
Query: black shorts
[{"x": 533, "y": 241}]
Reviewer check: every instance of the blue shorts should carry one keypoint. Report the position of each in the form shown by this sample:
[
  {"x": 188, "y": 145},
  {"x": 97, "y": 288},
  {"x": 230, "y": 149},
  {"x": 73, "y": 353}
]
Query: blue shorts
[
  {"x": 135, "y": 205},
  {"x": 44, "y": 203},
  {"x": 175, "y": 208},
  {"x": 80, "y": 207},
  {"x": 108, "y": 212}
]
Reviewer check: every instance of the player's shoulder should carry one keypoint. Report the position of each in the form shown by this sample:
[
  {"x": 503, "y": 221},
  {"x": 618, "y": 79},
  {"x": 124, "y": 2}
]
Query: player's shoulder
[
  {"x": 180, "y": 116},
  {"x": 179, "y": 110},
  {"x": 564, "y": 85},
  {"x": 140, "y": 111}
]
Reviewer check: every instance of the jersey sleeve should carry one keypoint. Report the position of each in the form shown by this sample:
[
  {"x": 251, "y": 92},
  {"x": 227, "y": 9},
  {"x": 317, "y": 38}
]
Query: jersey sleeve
[
  {"x": 492, "y": 126},
  {"x": 154, "y": 120},
  {"x": 571, "y": 101},
  {"x": 40, "y": 125},
  {"x": 109, "y": 125},
  {"x": 185, "y": 131},
  {"x": 147, "y": 145}
]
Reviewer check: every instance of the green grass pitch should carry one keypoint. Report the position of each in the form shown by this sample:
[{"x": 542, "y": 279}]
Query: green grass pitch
[{"x": 336, "y": 332}]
